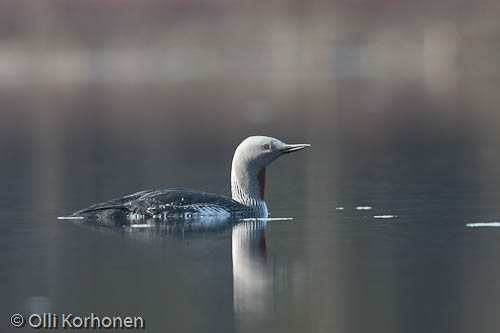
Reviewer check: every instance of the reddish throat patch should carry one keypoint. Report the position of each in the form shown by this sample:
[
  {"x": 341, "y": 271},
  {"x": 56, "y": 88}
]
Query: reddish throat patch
[{"x": 262, "y": 182}]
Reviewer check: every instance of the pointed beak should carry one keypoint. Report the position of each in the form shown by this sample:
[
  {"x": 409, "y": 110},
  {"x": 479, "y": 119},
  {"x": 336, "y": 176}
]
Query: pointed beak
[{"x": 296, "y": 147}]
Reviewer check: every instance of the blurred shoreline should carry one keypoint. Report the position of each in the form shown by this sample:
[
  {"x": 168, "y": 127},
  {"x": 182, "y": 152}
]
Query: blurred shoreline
[{"x": 97, "y": 41}]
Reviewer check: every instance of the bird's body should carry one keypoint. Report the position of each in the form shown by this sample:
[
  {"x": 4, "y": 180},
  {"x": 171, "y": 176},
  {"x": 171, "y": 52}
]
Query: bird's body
[
  {"x": 170, "y": 203},
  {"x": 247, "y": 187}
]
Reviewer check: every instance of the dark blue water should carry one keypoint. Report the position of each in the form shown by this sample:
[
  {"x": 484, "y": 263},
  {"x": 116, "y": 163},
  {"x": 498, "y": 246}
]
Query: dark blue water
[{"x": 433, "y": 168}]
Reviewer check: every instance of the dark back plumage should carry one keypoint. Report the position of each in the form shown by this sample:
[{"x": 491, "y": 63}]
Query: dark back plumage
[{"x": 166, "y": 203}]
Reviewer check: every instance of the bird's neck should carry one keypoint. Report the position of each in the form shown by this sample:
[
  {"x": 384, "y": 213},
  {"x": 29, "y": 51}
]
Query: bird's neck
[{"x": 248, "y": 184}]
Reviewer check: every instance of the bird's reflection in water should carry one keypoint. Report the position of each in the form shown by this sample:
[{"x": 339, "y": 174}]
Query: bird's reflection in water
[
  {"x": 253, "y": 283},
  {"x": 252, "y": 273},
  {"x": 157, "y": 229}
]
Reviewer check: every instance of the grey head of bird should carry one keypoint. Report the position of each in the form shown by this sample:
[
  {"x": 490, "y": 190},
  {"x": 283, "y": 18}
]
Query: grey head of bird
[{"x": 248, "y": 170}]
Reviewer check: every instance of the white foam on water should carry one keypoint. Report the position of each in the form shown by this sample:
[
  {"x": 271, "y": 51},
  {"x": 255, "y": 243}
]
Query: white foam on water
[
  {"x": 141, "y": 225},
  {"x": 252, "y": 219},
  {"x": 363, "y": 208},
  {"x": 70, "y": 217},
  {"x": 384, "y": 216},
  {"x": 339, "y": 208},
  {"x": 483, "y": 224}
]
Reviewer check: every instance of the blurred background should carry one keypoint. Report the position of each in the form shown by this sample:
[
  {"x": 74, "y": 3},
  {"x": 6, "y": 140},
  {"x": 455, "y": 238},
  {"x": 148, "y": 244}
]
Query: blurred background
[
  {"x": 162, "y": 77},
  {"x": 399, "y": 99}
]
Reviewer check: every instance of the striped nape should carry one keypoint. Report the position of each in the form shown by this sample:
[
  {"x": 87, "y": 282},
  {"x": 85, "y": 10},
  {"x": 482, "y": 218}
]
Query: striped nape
[{"x": 242, "y": 197}]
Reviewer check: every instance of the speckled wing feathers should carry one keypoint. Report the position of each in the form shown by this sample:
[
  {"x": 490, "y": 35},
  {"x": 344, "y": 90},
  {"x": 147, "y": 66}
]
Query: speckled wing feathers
[{"x": 166, "y": 203}]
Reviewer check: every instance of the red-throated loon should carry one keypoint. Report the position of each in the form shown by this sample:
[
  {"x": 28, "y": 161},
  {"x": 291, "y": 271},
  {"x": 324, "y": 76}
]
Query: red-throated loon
[{"x": 248, "y": 175}]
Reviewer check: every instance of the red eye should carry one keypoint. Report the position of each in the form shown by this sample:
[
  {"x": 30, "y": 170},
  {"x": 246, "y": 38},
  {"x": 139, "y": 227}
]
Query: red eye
[{"x": 266, "y": 146}]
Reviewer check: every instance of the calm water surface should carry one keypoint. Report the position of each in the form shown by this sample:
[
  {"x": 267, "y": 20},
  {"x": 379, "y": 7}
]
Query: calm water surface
[{"x": 327, "y": 270}]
